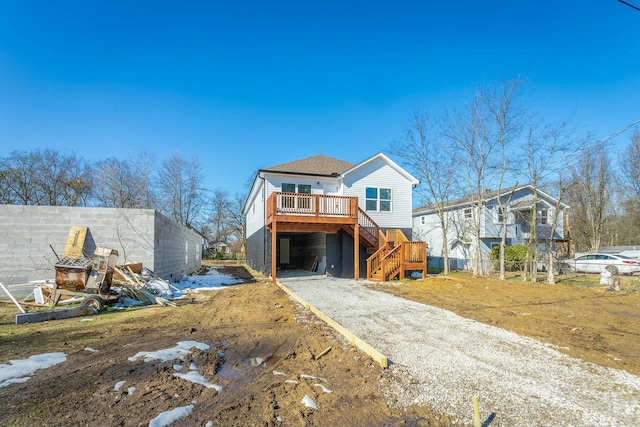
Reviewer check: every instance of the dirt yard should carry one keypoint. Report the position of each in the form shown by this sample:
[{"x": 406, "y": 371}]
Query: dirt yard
[{"x": 257, "y": 320}]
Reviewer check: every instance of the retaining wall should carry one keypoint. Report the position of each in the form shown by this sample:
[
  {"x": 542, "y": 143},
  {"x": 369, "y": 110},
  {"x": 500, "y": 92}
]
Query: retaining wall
[{"x": 139, "y": 235}]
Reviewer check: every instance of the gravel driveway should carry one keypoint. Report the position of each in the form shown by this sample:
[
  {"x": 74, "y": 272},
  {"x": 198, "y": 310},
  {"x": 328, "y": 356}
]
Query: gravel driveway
[{"x": 442, "y": 360}]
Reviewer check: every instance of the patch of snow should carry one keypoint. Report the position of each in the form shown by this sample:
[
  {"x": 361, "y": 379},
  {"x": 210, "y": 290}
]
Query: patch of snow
[
  {"x": 193, "y": 367},
  {"x": 309, "y": 403},
  {"x": 119, "y": 385},
  {"x": 19, "y": 371},
  {"x": 311, "y": 377},
  {"x": 291, "y": 381},
  {"x": 279, "y": 373},
  {"x": 168, "y": 417},
  {"x": 213, "y": 280},
  {"x": 326, "y": 390},
  {"x": 177, "y": 352},
  {"x": 86, "y": 319},
  {"x": 131, "y": 390},
  {"x": 91, "y": 350},
  {"x": 177, "y": 367},
  {"x": 195, "y": 377},
  {"x": 254, "y": 361},
  {"x": 209, "y": 424},
  {"x": 125, "y": 302}
]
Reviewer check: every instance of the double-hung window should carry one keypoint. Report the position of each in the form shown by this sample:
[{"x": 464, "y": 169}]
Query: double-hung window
[
  {"x": 378, "y": 199},
  {"x": 291, "y": 201}
]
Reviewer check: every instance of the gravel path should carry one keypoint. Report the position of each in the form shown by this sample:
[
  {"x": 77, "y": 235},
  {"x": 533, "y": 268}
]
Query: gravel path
[{"x": 443, "y": 359}]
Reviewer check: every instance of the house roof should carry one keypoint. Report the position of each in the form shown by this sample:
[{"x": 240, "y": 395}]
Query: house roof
[
  {"x": 545, "y": 198},
  {"x": 314, "y": 165}
]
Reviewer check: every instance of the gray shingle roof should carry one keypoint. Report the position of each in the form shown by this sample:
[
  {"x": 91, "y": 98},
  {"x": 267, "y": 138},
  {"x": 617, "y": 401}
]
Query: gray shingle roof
[{"x": 315, "y": 165}]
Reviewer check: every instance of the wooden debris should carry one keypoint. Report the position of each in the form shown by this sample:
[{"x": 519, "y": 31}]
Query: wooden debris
[
  {"x": 6, "y": 291},
  {"x": 63, "y": 313},
  {"x": 326, "y": 350}
]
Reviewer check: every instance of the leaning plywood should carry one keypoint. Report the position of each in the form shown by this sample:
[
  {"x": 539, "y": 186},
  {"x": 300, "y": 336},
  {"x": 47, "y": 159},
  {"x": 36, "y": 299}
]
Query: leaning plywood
[
  {"x": 65, "y": 313},
  {"x": 75, "y": 241}
]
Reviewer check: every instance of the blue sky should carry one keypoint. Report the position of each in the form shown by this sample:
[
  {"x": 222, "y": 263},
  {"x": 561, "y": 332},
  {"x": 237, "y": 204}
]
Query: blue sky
[{"x": 245, "y": 85}]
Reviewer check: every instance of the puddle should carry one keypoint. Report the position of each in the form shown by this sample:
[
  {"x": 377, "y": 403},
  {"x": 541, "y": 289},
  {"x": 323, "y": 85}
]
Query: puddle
[{"x": 227, "y": 372}]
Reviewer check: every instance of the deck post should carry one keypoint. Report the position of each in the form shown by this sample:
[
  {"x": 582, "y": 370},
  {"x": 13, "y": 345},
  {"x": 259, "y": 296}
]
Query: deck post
[
  {"x": 274, "y": 247},
  {"x": 356, "y": 251}
]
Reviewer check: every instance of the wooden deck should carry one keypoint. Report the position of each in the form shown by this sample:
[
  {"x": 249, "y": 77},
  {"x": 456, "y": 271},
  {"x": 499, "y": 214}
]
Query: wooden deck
[
  {"x": 392, "y": 253},
  {"x": 311, "y": 212}
]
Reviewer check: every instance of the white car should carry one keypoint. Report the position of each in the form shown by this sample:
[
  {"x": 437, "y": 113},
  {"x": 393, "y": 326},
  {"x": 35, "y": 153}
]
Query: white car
[{"x": 596, "y": 263}]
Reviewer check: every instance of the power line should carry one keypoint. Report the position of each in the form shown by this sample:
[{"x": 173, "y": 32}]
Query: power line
[{"x": 630, "y": 5}]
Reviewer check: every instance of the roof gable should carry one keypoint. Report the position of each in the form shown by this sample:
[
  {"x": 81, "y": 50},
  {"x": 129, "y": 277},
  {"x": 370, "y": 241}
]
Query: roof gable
[
  {"x": 388, "y": 161},
  {"x": 314, "y": 165}
]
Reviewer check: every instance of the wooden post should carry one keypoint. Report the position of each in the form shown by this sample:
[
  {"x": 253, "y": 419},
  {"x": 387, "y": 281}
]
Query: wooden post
[
  {"x": 274, "y": 248},
  {"x": 356, "y": 251}
]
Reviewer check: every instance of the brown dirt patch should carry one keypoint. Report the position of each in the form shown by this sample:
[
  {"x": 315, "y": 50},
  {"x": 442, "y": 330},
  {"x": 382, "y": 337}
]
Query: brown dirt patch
[
  {"x": 590, "y": 324},
  {"x": 244, "y": 321}
]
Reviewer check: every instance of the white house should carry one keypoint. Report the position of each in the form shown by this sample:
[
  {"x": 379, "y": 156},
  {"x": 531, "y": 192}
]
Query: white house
[
  {"x": 460, "y": 216},
  {"x": 311, "y": 213}
]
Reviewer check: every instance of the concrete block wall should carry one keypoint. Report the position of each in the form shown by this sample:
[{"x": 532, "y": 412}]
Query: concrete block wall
[
  {"x": 178, "y": 250},
  {"x": 26, "y": 233}
]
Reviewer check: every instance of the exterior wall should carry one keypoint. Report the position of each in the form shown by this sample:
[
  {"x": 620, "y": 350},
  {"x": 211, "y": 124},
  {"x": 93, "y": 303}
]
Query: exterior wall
[
  {"x": 256, "y": 256},
  {"x": 378, "y": 173},
  {"x": 319, "y": 185},
  {"x": 340, "y": 256},
  {"x": 27, "y": 231},
  {"x": 256, "y": 212},
  {"x": 177, "y": 249}
]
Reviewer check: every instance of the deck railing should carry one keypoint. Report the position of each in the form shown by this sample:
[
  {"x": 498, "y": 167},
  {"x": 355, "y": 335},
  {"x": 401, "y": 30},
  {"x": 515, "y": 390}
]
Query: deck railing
[{"x": 318, "y": 205}]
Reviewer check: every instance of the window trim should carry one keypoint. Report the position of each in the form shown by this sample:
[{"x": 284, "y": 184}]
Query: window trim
[{"x": 378, "y": 199}]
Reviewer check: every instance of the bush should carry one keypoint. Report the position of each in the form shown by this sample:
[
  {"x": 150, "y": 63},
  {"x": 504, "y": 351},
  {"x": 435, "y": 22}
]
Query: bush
[{"x": 514, "y": 257}]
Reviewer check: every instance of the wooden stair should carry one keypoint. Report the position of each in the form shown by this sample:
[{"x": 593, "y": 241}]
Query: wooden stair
[{"x": 392, "y": 254}]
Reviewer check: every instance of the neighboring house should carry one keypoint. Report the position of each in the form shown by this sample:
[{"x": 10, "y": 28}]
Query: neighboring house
[
  {"x": 221, "y": 248},
  {"x": 460, "y": 215},
  {"x": 313, "y": 212}
]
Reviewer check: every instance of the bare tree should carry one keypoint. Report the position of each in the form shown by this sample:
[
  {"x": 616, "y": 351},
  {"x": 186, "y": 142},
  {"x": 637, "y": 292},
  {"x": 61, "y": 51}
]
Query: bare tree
[
  {"x": 547, "y": 150},
  {"x": 425, "y": 156},
  {"x": 144, "y": 167},
  {"x": 505, "y": 126},
  {"x": 179, "y": 183},
  {"x": 45, "y": 177},
  {"x": 591, "y": 196},
  {"x": 482, "y": 135},
  {"x": 237, "y": 220},
  {"x": 20, "y": 178},
  {"x": 219, "y": 218},
  {"x": 117, "y": 185}
]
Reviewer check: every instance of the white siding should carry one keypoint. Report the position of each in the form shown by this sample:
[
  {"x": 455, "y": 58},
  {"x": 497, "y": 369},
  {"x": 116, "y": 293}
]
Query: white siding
[
  {"x": 378, "y": 173},
  {"x": 256, "y": 213},
  {"x": 319, "y": 185}
]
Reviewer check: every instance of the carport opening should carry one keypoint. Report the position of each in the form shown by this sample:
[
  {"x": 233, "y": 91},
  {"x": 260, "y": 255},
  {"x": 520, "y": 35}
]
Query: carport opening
[{"x": 302, "y": 251}]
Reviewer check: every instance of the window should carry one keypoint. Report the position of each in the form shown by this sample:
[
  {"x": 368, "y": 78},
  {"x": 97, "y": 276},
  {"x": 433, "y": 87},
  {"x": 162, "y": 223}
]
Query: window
[
  {"x": 468, "y": 213},
  {"x": 290, "y": 201},
  {"x": 501, "y": 214},
  {"x": 544, "y": 218},
  {"x": 423, "y": 220},
  {"x": 378, "y": 199},
  {"x": 304, "y": 188}
]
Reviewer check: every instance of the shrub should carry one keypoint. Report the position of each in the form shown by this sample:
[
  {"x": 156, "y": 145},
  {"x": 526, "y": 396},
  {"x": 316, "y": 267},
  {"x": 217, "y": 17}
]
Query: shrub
[{"x": 514, "y": 257}]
